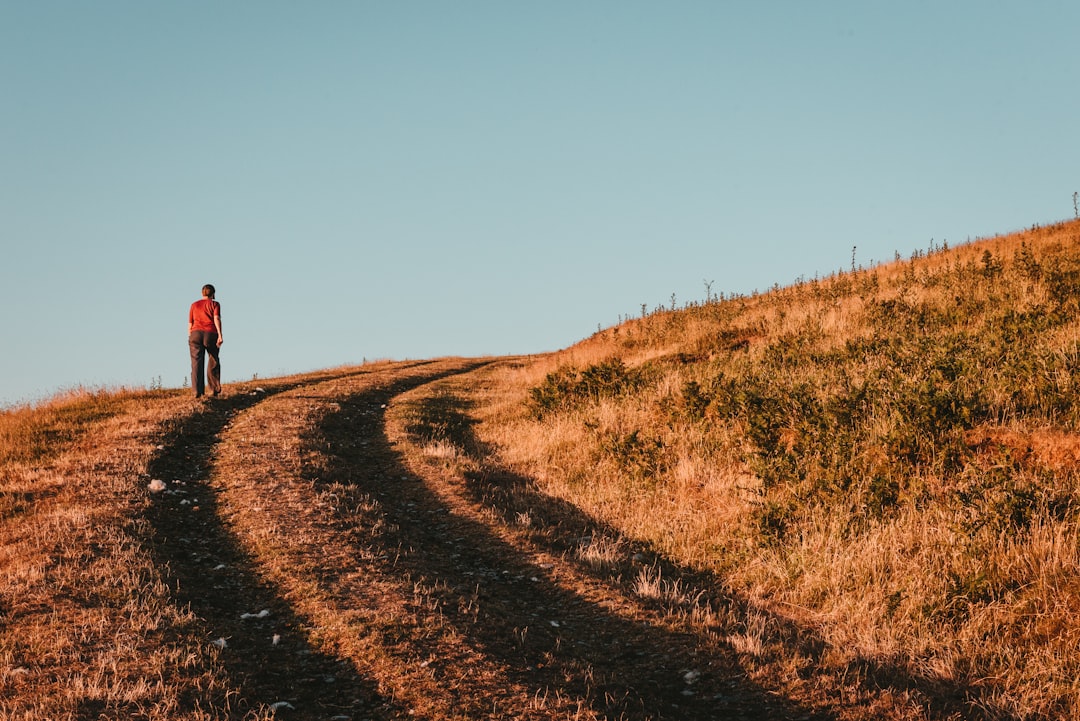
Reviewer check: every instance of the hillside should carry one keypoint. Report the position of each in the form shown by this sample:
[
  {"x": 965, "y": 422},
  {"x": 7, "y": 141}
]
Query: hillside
[
  {"x": 851, "y": 498},
  {"x": 884, "y": 460}
]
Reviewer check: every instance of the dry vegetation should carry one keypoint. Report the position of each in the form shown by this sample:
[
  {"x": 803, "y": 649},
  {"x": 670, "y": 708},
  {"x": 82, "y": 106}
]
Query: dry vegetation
[
  {"x": 85, "y": 622},
  {"x": 852, "y": 498},
  {"x": 885, "y": 458}
]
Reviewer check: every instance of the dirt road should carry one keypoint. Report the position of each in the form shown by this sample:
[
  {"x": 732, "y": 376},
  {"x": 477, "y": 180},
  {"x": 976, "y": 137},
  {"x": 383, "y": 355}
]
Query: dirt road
[{"x": 351, "y": 556}]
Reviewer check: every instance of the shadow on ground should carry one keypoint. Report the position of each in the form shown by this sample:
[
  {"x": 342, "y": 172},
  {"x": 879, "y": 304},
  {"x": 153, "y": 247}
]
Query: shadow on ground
[
  {"x": 560, "y": 526},
  {"x": 209, "y": 572},
  {"x": 549, "y": 638}
]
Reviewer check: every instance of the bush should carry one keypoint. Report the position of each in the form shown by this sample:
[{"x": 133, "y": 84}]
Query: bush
[{"x": 568, "y": 387}]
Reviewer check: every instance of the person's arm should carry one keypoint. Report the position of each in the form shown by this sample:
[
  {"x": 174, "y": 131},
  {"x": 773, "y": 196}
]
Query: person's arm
[{"x": 217, "y": 324}]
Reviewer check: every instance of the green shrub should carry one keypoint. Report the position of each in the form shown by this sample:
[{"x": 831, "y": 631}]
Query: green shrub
[
  {"x": 637, "y": 456},
  {"x": 568, "y": 387}
]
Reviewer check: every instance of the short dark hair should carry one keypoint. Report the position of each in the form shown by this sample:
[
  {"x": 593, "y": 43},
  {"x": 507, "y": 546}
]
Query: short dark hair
[{"x": 208, "y": 290}]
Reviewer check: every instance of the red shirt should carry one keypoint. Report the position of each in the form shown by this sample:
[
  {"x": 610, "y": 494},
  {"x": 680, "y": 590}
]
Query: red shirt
[{"x": 201, "y": 315}]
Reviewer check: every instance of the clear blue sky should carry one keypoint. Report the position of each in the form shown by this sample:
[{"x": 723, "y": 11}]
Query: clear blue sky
[{"x": 415, "y": 179}]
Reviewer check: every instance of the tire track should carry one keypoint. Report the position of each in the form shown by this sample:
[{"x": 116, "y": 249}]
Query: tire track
[
  {"x": 421, "y": 593},
  {"x": 397, "y": 587},
  {"x": 306, "y": 537},
  {"x": 271, "y": 658},
  {"x": 587, "y": 637},
  {"x": 514, "y": 508}
]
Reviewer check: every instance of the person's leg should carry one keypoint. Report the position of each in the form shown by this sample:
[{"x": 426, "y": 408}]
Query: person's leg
[
  {"x": 213, "y": 366},
  {"x": 198, "y": 353}
]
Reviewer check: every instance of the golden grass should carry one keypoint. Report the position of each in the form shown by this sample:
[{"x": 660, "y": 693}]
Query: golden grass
[
  {"x": 392, "y": 627},
  {"x": 922, "y": 568},
  {"x": 89, "y": 627},
  {"x": 34, "y": 433},
  {"x": 936, "y": 590}
]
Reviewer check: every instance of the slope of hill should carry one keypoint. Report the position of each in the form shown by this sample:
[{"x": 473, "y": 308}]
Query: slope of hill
[
  {"x": 853, "y": 498},
  {"x": 885, "y": 459},
  {"x": 314, "y": 548}
]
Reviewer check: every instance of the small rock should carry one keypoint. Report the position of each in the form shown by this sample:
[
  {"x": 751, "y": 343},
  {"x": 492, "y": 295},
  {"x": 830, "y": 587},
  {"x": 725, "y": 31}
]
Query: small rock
[
  {"x": 261, "y": 614},
  {"x": 220, "y": 643},
  {"x": 157, "y": 486},
  {"x": 282, "y": 705}
]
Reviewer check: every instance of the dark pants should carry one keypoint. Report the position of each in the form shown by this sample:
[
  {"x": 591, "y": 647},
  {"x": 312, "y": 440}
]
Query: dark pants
[{"x": 201, "y": 343}]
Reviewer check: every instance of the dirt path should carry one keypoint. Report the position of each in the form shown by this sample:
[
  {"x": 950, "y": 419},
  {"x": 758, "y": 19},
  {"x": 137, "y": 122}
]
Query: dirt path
[{"x": 347, "y": 545}]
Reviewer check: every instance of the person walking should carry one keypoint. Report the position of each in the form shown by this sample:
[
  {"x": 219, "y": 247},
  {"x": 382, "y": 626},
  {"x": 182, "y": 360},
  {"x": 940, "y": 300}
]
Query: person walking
[{"x": 204, "y": 338}]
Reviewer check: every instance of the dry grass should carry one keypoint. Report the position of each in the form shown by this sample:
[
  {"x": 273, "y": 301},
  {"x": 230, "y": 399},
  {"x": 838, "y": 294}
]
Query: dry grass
[
  {"x": 856, "y": 497},
  {"x": 961, "y": 578},
  {"x": 89, "y": 624},
  {"x": 88, "y": 627},
  {"x": 33, "y": 434}
]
